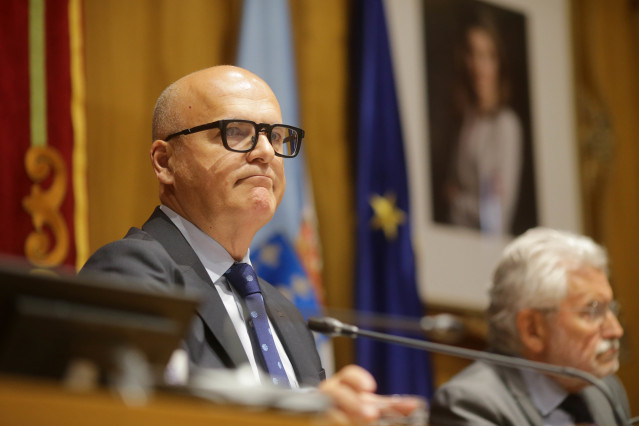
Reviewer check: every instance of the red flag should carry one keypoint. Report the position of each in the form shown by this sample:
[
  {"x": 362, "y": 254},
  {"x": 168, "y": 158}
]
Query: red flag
[{"x": 38, "y": 173}]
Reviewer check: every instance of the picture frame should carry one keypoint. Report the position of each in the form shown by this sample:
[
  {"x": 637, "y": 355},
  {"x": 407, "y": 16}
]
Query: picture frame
[{"x": 454, "y": 263}]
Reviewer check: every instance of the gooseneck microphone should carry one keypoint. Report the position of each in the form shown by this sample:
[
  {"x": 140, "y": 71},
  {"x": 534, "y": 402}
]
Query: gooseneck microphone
[
  {"x": 442, "y": 324},
  {"x": 334, "y": 327},
  {"x": 442, "y": 327}
]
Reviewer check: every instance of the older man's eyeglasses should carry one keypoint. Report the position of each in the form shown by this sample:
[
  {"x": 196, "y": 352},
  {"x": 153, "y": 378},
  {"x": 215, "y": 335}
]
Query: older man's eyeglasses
[
  {"x": 242, "y": 135},
  {"x": 595, "y": 311}
]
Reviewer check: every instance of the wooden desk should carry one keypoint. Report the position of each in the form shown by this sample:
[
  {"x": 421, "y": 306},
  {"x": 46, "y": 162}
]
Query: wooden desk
[{"x": 25, "y": 401}]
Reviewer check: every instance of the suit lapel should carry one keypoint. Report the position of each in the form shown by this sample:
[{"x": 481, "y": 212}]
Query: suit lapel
[
  {"x": 515, "y": 384},
  {"x": 598, "y": 406},
  {"x": 197, "y": 280},
  {"x": 597, "y": 403}
]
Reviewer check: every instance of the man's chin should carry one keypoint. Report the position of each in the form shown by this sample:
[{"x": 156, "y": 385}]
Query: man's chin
[
  {"x": 606, "y": 368},
  {"x": 262, "y": 212}
]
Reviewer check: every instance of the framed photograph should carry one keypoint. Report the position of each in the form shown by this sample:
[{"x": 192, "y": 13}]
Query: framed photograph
[{"x": 485, "y": 93}]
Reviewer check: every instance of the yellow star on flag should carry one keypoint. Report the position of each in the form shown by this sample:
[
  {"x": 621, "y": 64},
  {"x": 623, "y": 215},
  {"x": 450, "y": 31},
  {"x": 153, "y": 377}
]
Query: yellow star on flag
[{"x": 387, "y": 216}]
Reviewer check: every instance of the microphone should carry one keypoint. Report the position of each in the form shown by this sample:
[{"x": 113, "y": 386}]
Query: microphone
[
  {"x": 334, "y": 327},
  {"x": 441, "y": 327}
]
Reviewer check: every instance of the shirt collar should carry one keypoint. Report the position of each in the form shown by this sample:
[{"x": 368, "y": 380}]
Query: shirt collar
[
  {"x": 213, "y": 256},
  {"x": 545, "y": 393}
]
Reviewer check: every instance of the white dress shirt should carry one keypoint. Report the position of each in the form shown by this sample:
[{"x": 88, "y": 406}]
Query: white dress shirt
[
  {"x": 546, "y": 394},
  {"x": 217, "y": 261}
]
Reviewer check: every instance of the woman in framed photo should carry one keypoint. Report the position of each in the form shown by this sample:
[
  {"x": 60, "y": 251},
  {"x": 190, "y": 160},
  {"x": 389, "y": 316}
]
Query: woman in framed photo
[{"x": 485, "y": 171}]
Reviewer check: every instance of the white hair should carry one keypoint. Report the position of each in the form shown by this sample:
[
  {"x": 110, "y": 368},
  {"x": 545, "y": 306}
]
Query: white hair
[
  {"x": 165, "y": 115},
  {"x": 533, "y": 272}
]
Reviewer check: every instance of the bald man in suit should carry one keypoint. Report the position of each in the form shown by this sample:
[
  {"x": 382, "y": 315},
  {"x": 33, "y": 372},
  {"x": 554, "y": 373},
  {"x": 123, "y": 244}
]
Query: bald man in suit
[{"x": 218, "y": 153}]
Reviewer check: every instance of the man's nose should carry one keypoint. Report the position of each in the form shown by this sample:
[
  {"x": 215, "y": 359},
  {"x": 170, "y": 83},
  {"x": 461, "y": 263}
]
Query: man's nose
[
  {"x": 263, "y": 148},
  {"x": 611, "y": 326}
]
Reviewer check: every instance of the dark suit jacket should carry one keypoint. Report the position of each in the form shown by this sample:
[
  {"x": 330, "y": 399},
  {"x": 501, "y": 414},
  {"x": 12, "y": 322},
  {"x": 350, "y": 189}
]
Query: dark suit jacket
[
  {"x": 484, "y": 394},
  {"x": 158, "y": 256}
]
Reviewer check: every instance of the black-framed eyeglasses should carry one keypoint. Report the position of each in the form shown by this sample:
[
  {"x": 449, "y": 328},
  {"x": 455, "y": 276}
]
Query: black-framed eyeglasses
[{"x": 242, "y": 135}]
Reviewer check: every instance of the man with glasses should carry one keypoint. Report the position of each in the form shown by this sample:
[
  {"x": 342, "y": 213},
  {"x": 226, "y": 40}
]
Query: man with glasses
[
  {"x": 218, "y": 153},
  {"x": 550, "y": 302}
]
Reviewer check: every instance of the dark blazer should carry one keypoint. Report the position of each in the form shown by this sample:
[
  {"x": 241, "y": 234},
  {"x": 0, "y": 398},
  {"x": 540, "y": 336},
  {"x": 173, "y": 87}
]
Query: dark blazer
[
  {"x": 158, "y": 256},
  {"x": 484, "y": 394}
]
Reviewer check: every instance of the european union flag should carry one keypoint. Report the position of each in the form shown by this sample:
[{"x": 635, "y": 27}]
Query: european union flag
[{"x": 386, "y": 282}]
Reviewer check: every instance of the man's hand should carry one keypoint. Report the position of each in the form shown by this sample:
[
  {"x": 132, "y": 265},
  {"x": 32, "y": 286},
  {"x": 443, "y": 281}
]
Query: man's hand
[{"x": 352, "y": 390}]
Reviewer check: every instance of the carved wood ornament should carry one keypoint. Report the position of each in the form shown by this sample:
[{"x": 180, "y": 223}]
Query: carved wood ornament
[{"x": 44, "y": 207}]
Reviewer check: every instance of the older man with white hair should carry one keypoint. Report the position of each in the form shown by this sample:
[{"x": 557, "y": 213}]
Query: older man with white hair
[{"x": 551, "y": 302}]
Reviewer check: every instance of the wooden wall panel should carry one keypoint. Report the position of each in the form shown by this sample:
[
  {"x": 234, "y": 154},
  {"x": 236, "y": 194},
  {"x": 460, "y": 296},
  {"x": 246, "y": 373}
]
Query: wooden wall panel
[
  {"x": 606, "y": 53},
  {"x": 134, "y": 50}
]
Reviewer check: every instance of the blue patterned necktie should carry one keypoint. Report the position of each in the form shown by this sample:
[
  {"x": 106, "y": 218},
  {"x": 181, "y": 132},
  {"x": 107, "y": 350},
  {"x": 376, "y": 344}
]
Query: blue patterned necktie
[{"x": 243, "y": 278}]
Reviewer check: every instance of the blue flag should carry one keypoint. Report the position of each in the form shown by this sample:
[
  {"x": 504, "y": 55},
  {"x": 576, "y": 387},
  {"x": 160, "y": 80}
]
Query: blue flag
[
  {"x": 386, "y": 282},
  {"x": 285, "y": 252}
]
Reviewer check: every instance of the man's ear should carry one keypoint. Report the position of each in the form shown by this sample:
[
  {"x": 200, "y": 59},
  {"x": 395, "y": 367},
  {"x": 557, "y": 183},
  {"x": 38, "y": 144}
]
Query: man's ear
[
  {"x": 161, "y": 152},
  {"x": 533, "y": 331}
]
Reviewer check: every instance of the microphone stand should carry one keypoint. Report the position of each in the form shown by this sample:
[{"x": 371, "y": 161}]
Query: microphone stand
[{"x": 335, "y": 327}]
